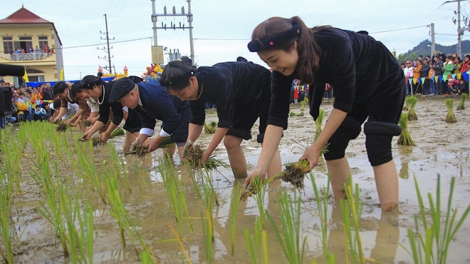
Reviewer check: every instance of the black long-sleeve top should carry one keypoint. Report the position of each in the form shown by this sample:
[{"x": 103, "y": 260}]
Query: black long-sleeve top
[
  {"x": 106, "y": 107},
  {"x": 229, "y": 85},
  {"x": 356, "y": 65}
]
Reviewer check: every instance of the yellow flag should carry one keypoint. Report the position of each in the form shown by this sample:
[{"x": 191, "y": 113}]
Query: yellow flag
[
  {"x": 25, "y": 76},
  {"x": 61, "y": 77}
]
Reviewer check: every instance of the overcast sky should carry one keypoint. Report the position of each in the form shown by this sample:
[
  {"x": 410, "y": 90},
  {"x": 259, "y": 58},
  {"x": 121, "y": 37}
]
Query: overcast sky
[{"x": 223, "y": 28}]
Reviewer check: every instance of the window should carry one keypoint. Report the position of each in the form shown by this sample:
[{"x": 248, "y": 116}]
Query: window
[
  {"x": 25, "y": 43},
  {"x": 7, "y": 45},
  {"x": 43, "y": 43}
]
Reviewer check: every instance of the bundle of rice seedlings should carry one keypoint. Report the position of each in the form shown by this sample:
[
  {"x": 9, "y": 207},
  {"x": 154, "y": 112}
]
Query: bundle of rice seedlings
[
  {"x": 295, "y": 114},
  {"x": 61, "y": 127},
  {"x": 406, "y": 107},
  {"x": 86, "y": 122},
  {"x": 412, "y": 103},
  {"x": 461, "y": 105},
  {"x": 96, "y": 140},
  {"x": 117, "y": 132},
  {"x": 294, "y": 174},
  {"x": 139, "y": 151},
  {"x": 210, "y": 128},
  {"x": 302, "y": 105},
  {"x": 142, "y": 150},
  {"x": 318, "y": 123},
  {"x": 404, "y": 138},
  {"x": 193, "y": 154},
  {"x": 450, "y": 118}
]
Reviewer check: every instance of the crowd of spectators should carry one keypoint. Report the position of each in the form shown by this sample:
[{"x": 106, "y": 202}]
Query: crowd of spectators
[
  {"x": 441, "y": 75},
  {"x": 31, "y": 103}
]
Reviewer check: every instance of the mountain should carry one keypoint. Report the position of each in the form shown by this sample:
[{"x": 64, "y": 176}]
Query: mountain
[{"x": 424, "y": 48}]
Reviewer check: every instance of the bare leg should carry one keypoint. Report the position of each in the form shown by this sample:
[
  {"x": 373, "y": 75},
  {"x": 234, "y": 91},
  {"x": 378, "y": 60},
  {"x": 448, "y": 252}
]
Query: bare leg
[
  {"x": 236, "y": 156},
  {"x": 180, "y": 153},
  {"x": 339, "y": 173},
  {"x": 129, "y": 138},
  {"x": 276, "y": 165},
  {"x": 386, "y": 180}
]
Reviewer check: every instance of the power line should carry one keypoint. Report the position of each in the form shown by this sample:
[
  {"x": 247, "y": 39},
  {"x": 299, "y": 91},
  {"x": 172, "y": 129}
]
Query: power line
[
  {"x": 99, "y": 44},
  {"x": 400, "y": 29}
]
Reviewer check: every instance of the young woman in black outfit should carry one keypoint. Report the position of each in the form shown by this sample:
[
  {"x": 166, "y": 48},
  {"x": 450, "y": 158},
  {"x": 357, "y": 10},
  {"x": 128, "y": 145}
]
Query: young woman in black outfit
[
  {"x": 240, "y": 91},
  {"x": 369, "y": 85}
]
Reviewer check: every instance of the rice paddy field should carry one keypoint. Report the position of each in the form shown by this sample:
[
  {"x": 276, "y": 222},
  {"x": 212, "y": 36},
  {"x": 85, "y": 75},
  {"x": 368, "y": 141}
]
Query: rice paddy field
[{"x": 65, "y": 201}]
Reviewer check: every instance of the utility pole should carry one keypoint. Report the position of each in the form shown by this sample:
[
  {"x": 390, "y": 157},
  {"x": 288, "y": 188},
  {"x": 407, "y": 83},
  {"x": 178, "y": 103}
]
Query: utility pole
[
  {"x": 457, "y": 21},
  {"x": 173, "y": 26},
  {"x": 433, "y": 40},
  {"x": 108, "y": 49}
]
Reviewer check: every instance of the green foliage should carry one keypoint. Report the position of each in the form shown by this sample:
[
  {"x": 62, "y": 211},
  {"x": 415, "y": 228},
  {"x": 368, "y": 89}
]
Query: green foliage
[{"x": 430, "y": 243}]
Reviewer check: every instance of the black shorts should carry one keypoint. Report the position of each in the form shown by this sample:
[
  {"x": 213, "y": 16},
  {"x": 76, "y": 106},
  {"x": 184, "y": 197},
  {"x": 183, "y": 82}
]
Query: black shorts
[
  {"x": 132, "y": 122},
  {"x": 245, "y": 117}
]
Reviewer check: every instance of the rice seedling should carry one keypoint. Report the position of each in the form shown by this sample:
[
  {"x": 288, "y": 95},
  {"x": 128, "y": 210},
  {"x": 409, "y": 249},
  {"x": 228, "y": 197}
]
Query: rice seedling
[
  {"x": 53, "y": 208},
  {"x": 259, "y": 197},
  {"x": 463, "y": 98},
  {"x": 180, "y": 242},
  {"x": 11, "y": 162},
  {"x": 193, "y": 153},
  {"x": 291, "y": 114},
  {"x": 321, "y": 199},
  {"x": 405, "y": 137},
  {"x": 80, "y": 239},
  {"x": 117, "y": 132},
  {"x": 176, "y": 194},
  {"x": 210, "y": 128},
  {"x": 303, "y": 103},
  {"x": 234, "y": 203},
  {"x": 289, "y": 234},
  {"x": 7, "y": 228},
  {"x": 207, "y": 234},
  {"x": 411, "y": 101},
  {"x": 142, "y": 150},
  {"x": 119, "y": 212},
  {"x": 450, "y": 118},
  {"x": 294, "y": 174},
  {"x": 431, "y": 243},
  {"x": 85, "y": 123},
  {"x": 254, "y": 243},
  {"x": 406, "y": 106},
  {"x": 61, "y": 127},
  {"x": 209, "y": 199},
  {"x": 351, "y": 208},
  {"x": 318, "y": 123},
  {"x": 88, "y": 170},
  {"x": 117, "y": 207}
]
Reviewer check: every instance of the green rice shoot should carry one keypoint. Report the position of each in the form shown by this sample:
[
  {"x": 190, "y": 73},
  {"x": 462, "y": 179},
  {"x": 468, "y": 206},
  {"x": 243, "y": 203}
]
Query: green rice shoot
[
  {"x": 405, "y": 137},
  {"x": 210, "y": 128},
  {"x": 450, "y": 118},
  {"x": 411, "y": 112},
  {"x": 463, "y": 98}
]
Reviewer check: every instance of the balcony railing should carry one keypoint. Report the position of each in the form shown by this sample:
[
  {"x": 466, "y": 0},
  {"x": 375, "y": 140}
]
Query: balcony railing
[{"x": 28, "y": 56}]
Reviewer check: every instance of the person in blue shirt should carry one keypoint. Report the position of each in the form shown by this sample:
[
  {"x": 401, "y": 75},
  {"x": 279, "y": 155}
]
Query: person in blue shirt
[{"x": 152, "y": 102}]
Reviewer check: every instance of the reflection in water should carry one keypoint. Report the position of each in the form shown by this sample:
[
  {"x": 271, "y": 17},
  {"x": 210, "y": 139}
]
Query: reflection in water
[{"x": 404, "y": 170}]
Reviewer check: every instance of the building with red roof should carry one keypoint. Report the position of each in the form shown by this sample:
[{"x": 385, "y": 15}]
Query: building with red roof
[{"x": 33, "y": 42}]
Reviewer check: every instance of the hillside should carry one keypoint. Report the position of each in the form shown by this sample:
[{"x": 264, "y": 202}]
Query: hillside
[{"x": 424, "y": 48}]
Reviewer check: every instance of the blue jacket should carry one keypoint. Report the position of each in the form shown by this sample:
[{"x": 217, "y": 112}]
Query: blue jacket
[{"x": 157, "y": 103}]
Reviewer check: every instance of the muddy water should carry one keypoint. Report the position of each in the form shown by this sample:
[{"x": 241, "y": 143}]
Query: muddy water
[{"x": 441, "y": 148}]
